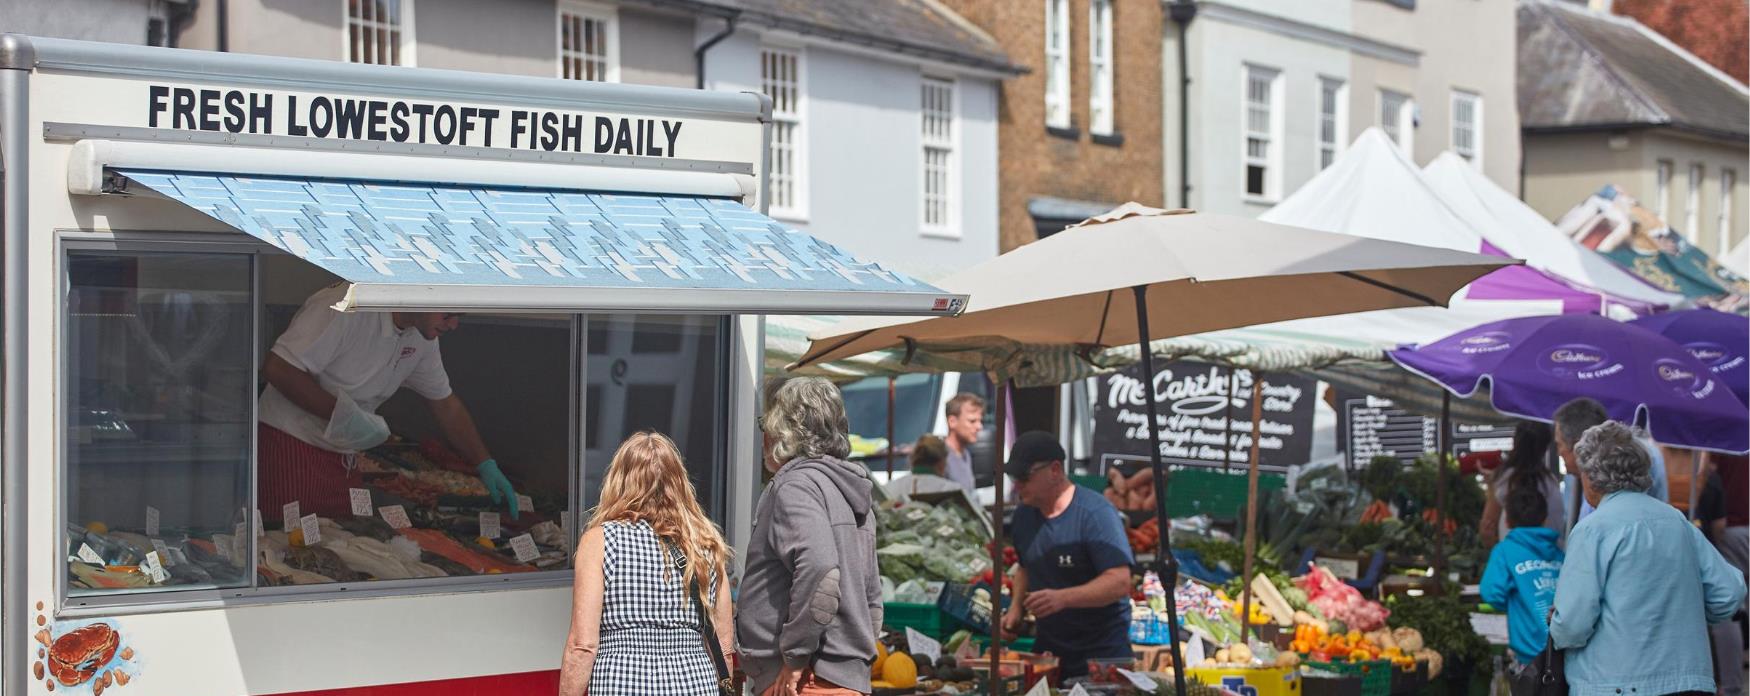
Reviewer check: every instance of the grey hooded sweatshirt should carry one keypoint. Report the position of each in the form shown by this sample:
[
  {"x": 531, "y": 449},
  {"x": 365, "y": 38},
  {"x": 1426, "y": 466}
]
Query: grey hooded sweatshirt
[{"x": 810, "y": 593}]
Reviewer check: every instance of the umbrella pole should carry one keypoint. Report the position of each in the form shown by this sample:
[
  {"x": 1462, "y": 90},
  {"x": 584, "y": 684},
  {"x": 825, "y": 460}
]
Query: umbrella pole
[
  {"x": 1440, "y": 485},
  {"x": 1165, "y": 565},
  {"x": 1251, "y": 506},
  {"x": 890, "y": 443},
  {"x": 1694, "y": 481},
  {"x": 996, "y": 542},
  {"x": 1233, "y": 389}
]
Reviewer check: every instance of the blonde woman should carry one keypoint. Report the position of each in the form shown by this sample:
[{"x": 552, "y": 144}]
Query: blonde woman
[{"x": 635, "y": 625}]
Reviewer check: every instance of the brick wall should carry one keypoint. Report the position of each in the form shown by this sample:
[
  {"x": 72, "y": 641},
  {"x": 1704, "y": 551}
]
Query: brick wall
[
  {"x": 1717, "y": 31},
  {"x": 1034, "y": 163}
]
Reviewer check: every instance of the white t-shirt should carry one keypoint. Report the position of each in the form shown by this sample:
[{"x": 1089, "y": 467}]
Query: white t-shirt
[{"x": 359, "y": 353}]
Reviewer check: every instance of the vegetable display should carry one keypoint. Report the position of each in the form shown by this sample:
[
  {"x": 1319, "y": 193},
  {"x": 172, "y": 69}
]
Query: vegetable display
[{"x": 929, "y": 542}]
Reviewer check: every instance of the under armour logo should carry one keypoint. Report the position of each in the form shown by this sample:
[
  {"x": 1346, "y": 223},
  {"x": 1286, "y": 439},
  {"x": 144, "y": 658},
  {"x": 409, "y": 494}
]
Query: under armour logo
[{"x": 1065, "y": 561}]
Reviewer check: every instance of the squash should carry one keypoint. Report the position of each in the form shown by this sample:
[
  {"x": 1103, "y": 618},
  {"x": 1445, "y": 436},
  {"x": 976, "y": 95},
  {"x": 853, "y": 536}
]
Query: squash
[
  {"x": 899, "y": 670},
  {"x": 880, "y": 658}
]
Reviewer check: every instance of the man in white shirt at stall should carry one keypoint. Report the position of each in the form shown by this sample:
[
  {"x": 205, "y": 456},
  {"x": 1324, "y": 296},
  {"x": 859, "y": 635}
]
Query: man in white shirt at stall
[
  {"x": 965, "y": 412},
  {"x": 326, "y": 376}
]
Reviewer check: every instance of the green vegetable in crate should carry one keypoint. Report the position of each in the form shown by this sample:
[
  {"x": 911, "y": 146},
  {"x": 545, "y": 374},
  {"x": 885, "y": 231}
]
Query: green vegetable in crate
[{"x": 1444, "y": 622}]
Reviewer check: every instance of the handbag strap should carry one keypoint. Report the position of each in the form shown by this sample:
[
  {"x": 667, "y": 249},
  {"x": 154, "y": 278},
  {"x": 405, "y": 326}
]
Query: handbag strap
[{"x": 708, "y": 629}]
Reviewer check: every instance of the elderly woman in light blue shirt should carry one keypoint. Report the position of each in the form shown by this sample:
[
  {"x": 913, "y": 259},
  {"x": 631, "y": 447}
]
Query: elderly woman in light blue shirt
[{"x": 1640, "y": 585}]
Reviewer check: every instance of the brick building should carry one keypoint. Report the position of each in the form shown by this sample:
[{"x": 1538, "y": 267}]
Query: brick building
[{"x": 1080, "y": 133}]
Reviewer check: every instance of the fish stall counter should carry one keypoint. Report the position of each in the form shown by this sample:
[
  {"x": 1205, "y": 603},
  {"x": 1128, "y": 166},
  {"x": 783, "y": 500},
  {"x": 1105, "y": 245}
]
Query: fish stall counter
[{"x": 181, "y": 228}]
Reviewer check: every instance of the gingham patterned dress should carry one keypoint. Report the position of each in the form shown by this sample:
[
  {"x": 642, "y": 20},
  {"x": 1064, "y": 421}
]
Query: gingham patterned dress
[{"x": 650, "y": 642}]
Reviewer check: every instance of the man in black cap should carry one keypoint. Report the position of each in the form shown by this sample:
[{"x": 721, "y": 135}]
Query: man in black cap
[{"x": 1075, "y": 560}]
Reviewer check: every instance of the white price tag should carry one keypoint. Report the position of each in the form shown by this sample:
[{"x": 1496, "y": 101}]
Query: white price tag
[
  {"x": 312, "y": 529},
  {"x": 240, "y": 542},
  {"x": 1194, "y": 652},
  {"x": 89, "y": 555},
  {"x": 489, "y": 525},
  {"x": 1142, "y": 681},
  {"x": 289, "y": 513},
  {"x": 151, "y": 521},
  {"x": 395, "y": 515},
  {"x": 223, "y": 544},
  {"x": 1076, "y": 690},
  {"x": 915, "y": 514},
  {"x": 524, "y": 547},
  {"x": 163, "y": 553},
  {"x": 259, "y": 532},
  {"x": 524, "y": 504},
  {"x": 923, "y": 645},
  {"x": 1040, "y": 688},
  {"x": 153, "y": 568},
  {"x": 934, "y": 589},
  {"x": 361, "y": 502}
]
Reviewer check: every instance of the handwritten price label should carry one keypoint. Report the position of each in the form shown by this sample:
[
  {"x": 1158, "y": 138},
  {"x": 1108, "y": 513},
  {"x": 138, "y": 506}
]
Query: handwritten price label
[
  {"x": 361, "y": 501},
  {"x": 489, "y": 525},
  {"x": 312, "y": 529},
  {"x": 524, "y": 548},
  {"x": 395, "y": 515},
  {"x": 151, "y": 521},
  {"x": 289, "y": 513},
  {"x": 87, "y": 554}
]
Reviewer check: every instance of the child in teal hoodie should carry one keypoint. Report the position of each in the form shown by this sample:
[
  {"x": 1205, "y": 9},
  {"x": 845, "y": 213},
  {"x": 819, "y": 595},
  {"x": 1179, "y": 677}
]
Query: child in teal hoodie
[{"x": 1522, "y": 572}]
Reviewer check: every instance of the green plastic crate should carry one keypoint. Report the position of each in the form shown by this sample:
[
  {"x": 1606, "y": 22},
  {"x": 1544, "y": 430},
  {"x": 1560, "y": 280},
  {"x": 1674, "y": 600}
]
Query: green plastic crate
[
  {"x": 1094, "y": 482},
  {"x": 1375, "y": 674},
  {"x": 927, "y": 619},
  {"x": 1212, "y": 492}
]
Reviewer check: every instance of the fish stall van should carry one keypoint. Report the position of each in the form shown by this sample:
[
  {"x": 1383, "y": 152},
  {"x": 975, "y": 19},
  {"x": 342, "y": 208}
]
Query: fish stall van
[{"x": 597, "y": 256}]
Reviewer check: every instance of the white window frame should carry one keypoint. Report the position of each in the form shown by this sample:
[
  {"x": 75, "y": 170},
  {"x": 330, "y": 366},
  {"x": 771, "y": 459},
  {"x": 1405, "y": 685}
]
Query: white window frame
[
  {"x": 1662, "y": 189},
  {"x": 1728, "y": 181},
  {"x": 1692, "y": 217},
  {"x": 609, "y": 17},
  {"x": 1339, "y": 117},
  {"x": 1057, "y": 66},
  {"x": 943, "y": 139},
  {"x": 1475, "y": 156},
  {"x": 408, "y": 44},
  {"x": 1102, "y": 99},
  {"x": 1273, "y": 137},
  {"x": 1400, "y": 121},
  {"x": 791, "y": 117}
]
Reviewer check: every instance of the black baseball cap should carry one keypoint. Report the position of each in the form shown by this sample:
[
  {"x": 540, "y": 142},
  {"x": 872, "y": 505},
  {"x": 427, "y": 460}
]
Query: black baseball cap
[{"x": 1031, "y": 449}]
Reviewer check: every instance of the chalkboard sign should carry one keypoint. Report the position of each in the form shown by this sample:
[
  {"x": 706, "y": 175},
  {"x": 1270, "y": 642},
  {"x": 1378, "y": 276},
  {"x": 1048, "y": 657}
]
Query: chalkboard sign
[
  {"x": 1193, "y": 406},
  {"x": 1369, "y": 426}
]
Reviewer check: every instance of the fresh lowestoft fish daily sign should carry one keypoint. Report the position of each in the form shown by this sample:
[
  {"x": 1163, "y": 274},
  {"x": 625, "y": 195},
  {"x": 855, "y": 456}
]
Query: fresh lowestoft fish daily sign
[{"x": 406, "y": 121}]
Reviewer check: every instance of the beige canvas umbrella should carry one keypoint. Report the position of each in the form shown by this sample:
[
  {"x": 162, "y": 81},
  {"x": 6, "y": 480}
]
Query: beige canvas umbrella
[
  {"x": 1107, "y": 280},
  {"x": 1203, "y": 272}
]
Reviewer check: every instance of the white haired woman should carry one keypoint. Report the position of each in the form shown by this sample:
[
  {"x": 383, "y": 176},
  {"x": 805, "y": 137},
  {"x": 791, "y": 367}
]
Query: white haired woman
[
  {"x": 810, "y": 600},
  {"x": 1640, "y": 585}
]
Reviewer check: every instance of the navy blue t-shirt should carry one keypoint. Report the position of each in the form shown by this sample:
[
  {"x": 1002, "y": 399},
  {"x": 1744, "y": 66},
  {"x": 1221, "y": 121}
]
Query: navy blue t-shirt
[{"x": 1070, "y": 550}]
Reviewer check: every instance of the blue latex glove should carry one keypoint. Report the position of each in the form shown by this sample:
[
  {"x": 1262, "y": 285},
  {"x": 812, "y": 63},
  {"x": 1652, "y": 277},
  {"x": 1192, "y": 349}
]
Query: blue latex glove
[{"x": 498, "y": 485}]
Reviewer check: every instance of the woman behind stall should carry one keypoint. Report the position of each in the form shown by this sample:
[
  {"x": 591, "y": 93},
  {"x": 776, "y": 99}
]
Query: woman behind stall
[
  {"x": 1526, "y": 465},
  {"x": 648, "y": 554}
]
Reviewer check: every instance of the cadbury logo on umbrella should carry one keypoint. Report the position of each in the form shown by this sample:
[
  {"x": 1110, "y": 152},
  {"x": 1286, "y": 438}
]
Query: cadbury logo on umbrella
[
  {"x": 1488, "y": 342},
  {"x": 1681, "y": 379},
  {"x": 1714, "y": 355},
  {"x": 1579, "y": 361}
]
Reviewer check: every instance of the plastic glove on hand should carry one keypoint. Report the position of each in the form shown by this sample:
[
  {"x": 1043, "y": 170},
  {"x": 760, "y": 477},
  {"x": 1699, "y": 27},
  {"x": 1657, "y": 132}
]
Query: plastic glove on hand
[
  {"x": 498, "y": 486},
  {"x": 353, "y": 428}
]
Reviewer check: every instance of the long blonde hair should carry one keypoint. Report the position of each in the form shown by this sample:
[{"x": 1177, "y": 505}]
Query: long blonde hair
[{"x": 647, "y": 481}]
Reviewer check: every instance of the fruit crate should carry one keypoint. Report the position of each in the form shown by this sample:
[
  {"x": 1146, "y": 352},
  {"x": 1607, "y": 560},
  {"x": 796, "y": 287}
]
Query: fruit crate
[
  {"x": 1376, "y": 675},
  {"x": 927, "y": 619}
]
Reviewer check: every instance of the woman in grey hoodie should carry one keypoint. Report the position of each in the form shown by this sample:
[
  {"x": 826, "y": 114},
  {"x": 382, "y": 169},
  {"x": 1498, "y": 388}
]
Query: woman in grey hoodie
[{"x": 810, "y": 598}]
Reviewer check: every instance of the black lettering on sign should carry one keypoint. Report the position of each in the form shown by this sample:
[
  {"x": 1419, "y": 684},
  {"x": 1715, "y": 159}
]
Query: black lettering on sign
[
  {"x": 444, "y": 124},
  {"x": 260, "y": 113},
  {"x": 349, "y": 119},
  {"x": 156, "y": 96},
  {"x": 518, "y": 126},
  {"x": 673, "y": 131},
  {"x": 398, "y": 116},
  {"x": 604, "y": 134},
  {"x": 424, "y": 113},
  {"x": 209, "y": 120},
  {"x": 234, "y": 117},
  {"x": 571, "y": 129},
  {"x": 623, "y": 138},
  {"x": 549, "y": 130},
  {"x": 378, "y": 118},
  {"x": 467, "y": 120},
  {"x": 488, "y": 115},
  {"x": 292, "y": 125},
  {"x": 184, "y": 109},
  {"x": 321, "y": 117}
]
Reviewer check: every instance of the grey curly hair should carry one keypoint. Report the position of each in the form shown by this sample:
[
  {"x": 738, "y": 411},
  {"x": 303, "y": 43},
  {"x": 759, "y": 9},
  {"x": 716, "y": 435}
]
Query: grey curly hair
[
  {"x": 806, "y": 418},
  {"x": 1612, "y": 460}
]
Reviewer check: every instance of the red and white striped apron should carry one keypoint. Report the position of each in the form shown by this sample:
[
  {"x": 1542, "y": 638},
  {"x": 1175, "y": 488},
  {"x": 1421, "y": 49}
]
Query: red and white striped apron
[{"x": 290, "y": 469}]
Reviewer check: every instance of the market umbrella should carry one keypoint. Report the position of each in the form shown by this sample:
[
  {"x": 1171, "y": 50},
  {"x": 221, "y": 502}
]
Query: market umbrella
[
  {"x": 1533, "y": 365},
  {"x": 1185, "y": 273},
  {"x": 1719, "y": 340}
]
